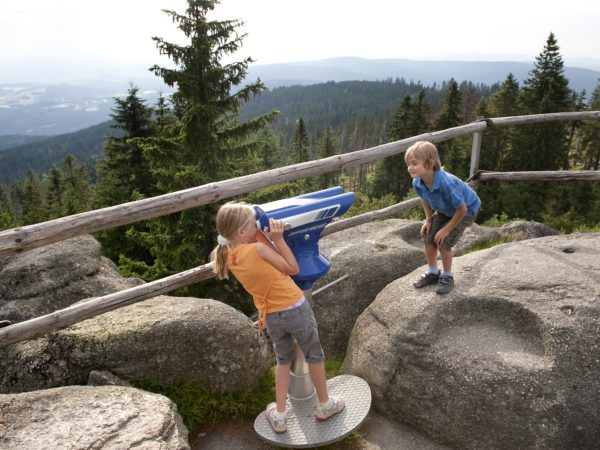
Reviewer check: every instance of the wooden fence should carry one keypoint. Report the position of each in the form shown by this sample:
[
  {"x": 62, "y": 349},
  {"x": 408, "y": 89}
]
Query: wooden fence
[{"x": 29, "y": 237}]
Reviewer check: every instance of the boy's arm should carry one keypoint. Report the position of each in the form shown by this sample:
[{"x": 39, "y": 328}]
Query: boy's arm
[
  {"x": 460, "y": 213},
  {"x": 428, "y": 213}
]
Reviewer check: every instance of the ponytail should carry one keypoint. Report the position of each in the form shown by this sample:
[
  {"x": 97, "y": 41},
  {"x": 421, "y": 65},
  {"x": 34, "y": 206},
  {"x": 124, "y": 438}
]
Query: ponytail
[{"x": 219, "y": 259}]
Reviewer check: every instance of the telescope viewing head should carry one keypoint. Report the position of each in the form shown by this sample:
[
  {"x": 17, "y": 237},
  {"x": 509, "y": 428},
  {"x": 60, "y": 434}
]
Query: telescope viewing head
[{"x": 304, "y": 217}]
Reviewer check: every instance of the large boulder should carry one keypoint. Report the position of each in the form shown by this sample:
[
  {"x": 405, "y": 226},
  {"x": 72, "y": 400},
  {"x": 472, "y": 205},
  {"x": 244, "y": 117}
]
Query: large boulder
[
  {"x": 375, "y": 254},
  {"x": 164, "y": 339},
  {"x": 45, "y": 279},
  {"x": 90, "y": 417},
  {"x": 509, "y": 359}
]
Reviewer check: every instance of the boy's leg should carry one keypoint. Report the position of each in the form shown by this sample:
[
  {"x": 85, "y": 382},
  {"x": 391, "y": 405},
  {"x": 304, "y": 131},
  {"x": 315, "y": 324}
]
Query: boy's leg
[{"x": 446, "y": 254}]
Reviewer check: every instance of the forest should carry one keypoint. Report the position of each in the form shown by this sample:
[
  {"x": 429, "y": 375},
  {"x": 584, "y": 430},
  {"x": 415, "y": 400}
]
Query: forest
[{"x": 217, "y": 125}]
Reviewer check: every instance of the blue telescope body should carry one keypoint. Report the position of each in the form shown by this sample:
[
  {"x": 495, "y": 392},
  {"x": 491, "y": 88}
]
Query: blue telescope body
[{"x": 305, "y": 216}]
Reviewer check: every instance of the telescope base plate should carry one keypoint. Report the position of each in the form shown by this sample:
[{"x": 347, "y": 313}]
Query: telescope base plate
[{"x": 304, "y": 431}]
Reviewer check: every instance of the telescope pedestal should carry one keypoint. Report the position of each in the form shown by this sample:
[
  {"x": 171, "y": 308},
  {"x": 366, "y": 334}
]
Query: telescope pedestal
[{"x": 303, "y": 429}]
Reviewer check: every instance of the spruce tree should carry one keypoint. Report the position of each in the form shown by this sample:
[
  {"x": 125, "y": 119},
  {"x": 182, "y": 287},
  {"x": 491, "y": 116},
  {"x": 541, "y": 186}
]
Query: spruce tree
[
  {"x": 32, "y": 202},
  {"x": 55, "y": 193},
  {"x": 78, "y": 191},
  {"x": 205, "y": 136},
  {"x": 300, "y": 148},
  {"x": 390, "y": 175},
  {"x": 7, "y": 219},
  {"x": 542, "y": 146},
  {"x": 454, "y": 153},
  {"x": 328, "y": 146}
]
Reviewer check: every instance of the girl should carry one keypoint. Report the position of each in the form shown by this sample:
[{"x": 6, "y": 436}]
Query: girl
[{"x": 264, "y": 270}]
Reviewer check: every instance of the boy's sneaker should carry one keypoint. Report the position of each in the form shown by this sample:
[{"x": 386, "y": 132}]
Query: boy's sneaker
[
  {"x": 445, "y": 285},
  {"x": 333, "y": 406},
  {"x": 427, "y": 279},
  {"x": 278, "y": 425}
]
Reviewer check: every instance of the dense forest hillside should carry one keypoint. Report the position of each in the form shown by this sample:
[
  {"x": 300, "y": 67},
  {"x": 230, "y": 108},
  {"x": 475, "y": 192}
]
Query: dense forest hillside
[
  {"x": 341, "y": 105},
  {"x": 86, "y": 145}
]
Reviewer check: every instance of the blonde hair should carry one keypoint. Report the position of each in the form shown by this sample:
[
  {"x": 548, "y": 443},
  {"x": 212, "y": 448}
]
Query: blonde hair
[
  {"x": 230, "y": 218},
  {"x": 424, "y": 151}
]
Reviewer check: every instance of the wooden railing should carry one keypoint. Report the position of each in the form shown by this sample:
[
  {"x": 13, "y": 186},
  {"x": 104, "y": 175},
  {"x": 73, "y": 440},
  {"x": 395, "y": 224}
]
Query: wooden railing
[{"x": 29, "y": 237}]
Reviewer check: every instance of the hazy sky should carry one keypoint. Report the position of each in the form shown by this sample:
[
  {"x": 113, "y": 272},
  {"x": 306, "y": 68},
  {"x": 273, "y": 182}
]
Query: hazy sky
[{"x": 69, "y": 39}]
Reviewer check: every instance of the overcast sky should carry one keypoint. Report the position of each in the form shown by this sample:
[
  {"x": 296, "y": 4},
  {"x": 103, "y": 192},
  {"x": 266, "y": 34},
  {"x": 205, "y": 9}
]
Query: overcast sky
[{"x": 53, "y": 40}]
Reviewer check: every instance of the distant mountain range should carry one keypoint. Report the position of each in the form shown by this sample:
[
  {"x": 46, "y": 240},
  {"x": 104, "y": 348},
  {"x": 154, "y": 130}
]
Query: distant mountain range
[
  {"x": 426, "y": 72},
  {"x": 50, "y": 109}
]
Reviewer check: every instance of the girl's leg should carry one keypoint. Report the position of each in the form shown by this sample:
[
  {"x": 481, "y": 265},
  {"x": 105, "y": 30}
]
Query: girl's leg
[
  {"x": 317, "y": 375},
  {"x": 282, "y": 383}
]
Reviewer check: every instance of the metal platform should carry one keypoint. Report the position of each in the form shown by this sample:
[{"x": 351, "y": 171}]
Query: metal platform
[{"x": 304, "y": 431}]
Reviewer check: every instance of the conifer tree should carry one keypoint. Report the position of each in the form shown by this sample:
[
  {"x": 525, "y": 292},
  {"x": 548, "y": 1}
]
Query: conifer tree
[
  {"x": 32, "y": 202},
  {"x": 123, "y": 171},
  {"x": 390, "y": 175},
  {"x": 124, "y": 174},
  {"x": 78, "y": 193},
  {"x": 328, "y": 146},
  {"x": 205, "y": 135},
  {"x": 7, "y": 219},
  {"x": 55, "y": 193},
  {"x": 453, "y": 153},
  {"x": 300, "y": 149},
  {"x": 538, "y": 147},
  {"x": 590, "y": 141}
]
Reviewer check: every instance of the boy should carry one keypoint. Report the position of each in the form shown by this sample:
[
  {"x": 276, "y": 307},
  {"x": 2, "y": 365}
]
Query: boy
[{"x": 450, "y": 206}]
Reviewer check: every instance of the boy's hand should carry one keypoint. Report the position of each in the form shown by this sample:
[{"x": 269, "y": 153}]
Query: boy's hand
[
  {"x": 440, "y": 236},
  {"x": 425, "y": 229}
]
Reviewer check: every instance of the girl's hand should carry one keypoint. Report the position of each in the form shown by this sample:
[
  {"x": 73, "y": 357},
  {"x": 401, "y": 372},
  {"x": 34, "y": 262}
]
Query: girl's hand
[{"x": 275, "y": 230}]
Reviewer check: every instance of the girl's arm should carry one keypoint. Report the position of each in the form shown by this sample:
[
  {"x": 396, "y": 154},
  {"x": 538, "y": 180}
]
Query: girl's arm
[{"x": 284, "y": 260}]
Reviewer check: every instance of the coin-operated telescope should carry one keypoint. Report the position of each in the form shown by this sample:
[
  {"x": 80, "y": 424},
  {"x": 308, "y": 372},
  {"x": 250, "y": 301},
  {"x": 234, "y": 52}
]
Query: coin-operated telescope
[{"x": 305, "y": 216}]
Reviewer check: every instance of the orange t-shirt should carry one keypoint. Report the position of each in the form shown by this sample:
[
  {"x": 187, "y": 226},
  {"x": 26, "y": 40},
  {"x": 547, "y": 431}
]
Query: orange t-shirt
[{"x": 271, "y": 289}]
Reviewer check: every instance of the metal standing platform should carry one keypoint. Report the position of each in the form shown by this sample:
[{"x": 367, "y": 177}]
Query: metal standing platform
[{"x": 304, "y": 430}]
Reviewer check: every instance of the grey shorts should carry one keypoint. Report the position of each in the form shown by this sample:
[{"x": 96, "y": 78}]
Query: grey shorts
[
  {"x": 299, "y": 323},
  {"x": 438, "y": 221}
]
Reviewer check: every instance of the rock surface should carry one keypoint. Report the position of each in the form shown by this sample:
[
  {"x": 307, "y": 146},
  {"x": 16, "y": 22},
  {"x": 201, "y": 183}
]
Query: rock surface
[
  {"x": 164, "y": 339},
  {"x": 509, "y": 359},
  {"x": 375, "y": 254},
  {"x": 53, "y": 277},
  {"x": 78, "y": 417}
]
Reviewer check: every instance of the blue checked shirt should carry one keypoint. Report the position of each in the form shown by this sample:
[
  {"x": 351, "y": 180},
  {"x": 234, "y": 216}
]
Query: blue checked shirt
[{"x": 447, "y": 194}]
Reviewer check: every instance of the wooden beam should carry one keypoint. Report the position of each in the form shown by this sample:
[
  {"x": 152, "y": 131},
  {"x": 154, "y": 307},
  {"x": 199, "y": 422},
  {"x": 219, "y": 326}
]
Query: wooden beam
[
  {"x": 560, "y": 175},
  {"x": 540, "y": 118},
  {"x": 92, "y": 307},
  {"x": 28, "y": 237}
]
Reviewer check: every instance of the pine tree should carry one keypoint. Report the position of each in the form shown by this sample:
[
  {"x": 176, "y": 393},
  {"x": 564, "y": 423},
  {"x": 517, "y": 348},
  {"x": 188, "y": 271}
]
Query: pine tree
[
  {"x": 300, "y": 149},
  {"x": 538, "y": 147},
  {"x": 454, "y": 154},
  {"x": 32, "y": 203},
  {"x": 590, "y": 136},
  {"x": 205, "y": 136},
  {"x": 328, "y": 146},
  {"x": 390, "y": 175},
  {"x": 7, "y": 219},
  {"x": 123, "y": 173},
  {"x": 78, "y": 194},
  {"x": 55, "y": 193}
]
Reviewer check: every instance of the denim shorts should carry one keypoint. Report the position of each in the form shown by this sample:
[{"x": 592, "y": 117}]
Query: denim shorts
[
  {"x": 299, "y": 323},
  {"x": 438, "y": 220}
]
